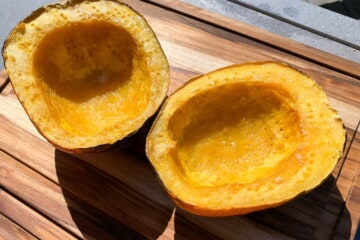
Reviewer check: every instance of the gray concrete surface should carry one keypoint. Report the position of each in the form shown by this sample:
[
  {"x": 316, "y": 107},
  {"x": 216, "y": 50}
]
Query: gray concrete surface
[{"x": 313, "y": 18}]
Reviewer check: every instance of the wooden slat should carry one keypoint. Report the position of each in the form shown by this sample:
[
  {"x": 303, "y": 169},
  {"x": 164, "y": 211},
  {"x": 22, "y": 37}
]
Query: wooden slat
[
  {"x": 351, "y": 167},
  {"x": 4, "y": 81},
  {"x": 349, "y": 182},
  {"x": 50, "y": 200},
  {"x": 10, "y": 230},
  {"x": 337, "y": 173},
  {"x": 5, "y": 84},
  {"x": 30, "y": 220}
]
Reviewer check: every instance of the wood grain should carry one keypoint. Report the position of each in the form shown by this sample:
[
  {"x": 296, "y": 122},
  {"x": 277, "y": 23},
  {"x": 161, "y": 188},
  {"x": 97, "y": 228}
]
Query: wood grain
[
  {"x": 3, "y": 80},
  {"x": 52, "y": 201},
  {"x": 116, "y": 194},
  {"x": 30, "y": 219},
  {"x": 10, "y": 230}
]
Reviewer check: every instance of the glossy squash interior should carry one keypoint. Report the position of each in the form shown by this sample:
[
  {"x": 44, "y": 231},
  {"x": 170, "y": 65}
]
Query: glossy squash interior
[
  {"x": 88, "y": 73},
  {"x": 244, "y": 138},
  {"x": 91, "y": 67},
  {"x": 238, "y": 134}
]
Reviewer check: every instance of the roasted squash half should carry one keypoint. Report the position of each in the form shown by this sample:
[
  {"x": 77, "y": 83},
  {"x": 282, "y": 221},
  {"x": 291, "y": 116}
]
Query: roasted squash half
[
  {"x": 88, "y": 73},
  {"x": 244, "y": 138}
]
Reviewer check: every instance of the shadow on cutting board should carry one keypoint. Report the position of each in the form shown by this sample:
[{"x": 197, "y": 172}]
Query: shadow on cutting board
[
  {"x": 320, "y": 214},
  {"x": 107, "y": 195},
  {"x": 116, "y": 195}
]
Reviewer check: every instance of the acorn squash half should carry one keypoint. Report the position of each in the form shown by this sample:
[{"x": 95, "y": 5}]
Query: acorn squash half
[
  {"x": 88, "y": 73},
  {"x": 244, "y": 138}
]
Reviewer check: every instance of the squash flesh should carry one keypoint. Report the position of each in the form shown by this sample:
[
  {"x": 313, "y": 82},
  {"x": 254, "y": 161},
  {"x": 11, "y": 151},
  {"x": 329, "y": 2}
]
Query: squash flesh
[
  {"x": 238, "y": 143},
  {"x": 244, "y": 138},
  {"x": 88, "y": 73},
  {"x": 90, "y": 67}
]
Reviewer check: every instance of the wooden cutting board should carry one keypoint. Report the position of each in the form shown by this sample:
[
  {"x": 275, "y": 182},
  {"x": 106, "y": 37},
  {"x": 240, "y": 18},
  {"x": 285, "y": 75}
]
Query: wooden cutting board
[{"x": 49, "y": 194}]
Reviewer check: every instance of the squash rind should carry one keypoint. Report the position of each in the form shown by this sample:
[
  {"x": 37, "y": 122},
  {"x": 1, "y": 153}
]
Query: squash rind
[
  {"x": 316, "y": 152},
  {"x": 22, "y": 43}
]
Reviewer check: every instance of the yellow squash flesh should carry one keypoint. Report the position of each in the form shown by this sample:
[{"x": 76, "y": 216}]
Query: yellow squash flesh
[
  {"x": 244, "y": 138},
  {"x": 88, "y": 73}
]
